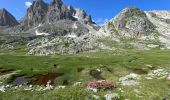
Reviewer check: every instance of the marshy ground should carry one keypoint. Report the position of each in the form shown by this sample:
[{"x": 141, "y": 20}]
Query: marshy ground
[{"x": 139, "y": 75}]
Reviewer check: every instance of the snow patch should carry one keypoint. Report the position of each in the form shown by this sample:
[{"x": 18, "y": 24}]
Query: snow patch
[
  {"x": 76, "y": 17},
  {"x": 43, "y": 33},
  {"x": 71, "y": 36}
]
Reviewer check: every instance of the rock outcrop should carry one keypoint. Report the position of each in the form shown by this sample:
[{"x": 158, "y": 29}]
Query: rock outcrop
[
  {"x": 132, "y": 22},
  {"x": 40, "y": 12},
  {"x": 36, "y": 14},
  {"x": 161, "y": 19},
  {"x": 134, "y": 29},
  {"x": 7, "y": 19},
  {"x": 60, "y": 45}
]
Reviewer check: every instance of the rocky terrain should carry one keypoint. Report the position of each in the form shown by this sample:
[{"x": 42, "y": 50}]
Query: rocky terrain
[
  {"x": 62, "y": 29},
  {"x": 133, "y": 22},
  {"x": 161, "y": 20},
  {"x": 66, "y": 29},
  {"x": 138, "y": 29},
  {"x": 57, "y": 52}
]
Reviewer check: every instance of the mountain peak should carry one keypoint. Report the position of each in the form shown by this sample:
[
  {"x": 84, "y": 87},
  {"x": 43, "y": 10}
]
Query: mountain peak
[
  {"x": 57, "y": 2},
  {"x": 38, "y": 3},
  {"x": 133, "y": 22},
  {"x": 131, "y": 8},
  {"x": 6, "y": 18},
  {"x": 41, "y": 12},
  {"x": 3, "y": 9},
  {"x": 36, "y": 13}
]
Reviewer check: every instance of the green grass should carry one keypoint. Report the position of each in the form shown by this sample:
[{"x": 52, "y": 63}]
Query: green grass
[{"x": 118, "y": 61}]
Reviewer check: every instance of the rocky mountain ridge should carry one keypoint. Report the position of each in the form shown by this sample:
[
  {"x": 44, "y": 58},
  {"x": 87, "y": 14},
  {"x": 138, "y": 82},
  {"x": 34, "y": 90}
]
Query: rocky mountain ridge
[
  {"x": 7, "y": 19},
  {"x": 40, "y": 13},
  {"x": 131, "y": 22},
  {"x": 139, "y": 29},
  {"x": 61, "y": 29}
]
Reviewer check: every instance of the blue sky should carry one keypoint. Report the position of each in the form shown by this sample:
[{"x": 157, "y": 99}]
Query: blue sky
[{"x": 100, "y": 10}]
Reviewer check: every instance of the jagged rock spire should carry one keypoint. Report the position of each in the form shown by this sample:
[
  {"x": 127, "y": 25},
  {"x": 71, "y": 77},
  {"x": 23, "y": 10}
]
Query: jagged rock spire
[
  {"x": 40, "y": 12},
  {"x": 39, "y": 3},
  {"x": 58, "y": 2},
  {"x": 36, "y": 13},
  {"x": 6, "y": 18}
]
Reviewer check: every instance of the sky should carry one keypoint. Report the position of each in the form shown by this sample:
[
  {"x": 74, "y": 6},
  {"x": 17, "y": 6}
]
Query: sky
[{"x": 100, "y": 10}]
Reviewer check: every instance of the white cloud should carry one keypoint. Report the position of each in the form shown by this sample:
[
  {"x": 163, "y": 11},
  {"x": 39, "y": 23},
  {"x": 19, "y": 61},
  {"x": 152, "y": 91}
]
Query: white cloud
[
  {"x": 101, "y": 21},
  {"x": 28, "y": 4}
]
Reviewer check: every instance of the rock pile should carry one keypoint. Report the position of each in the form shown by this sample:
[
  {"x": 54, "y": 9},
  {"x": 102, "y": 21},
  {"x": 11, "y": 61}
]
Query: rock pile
[
  {"x": 129, "y": 80},
  {"x": 158, "y": 73}
]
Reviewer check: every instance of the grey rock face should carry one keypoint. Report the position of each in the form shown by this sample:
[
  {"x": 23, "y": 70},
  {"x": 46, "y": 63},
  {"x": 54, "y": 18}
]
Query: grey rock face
[
  {"x": 35, "y": 14},
  {"x": 57, "y": 11},
  {"x": 7, "y": 19},
  {"x": 41, "y": 12},
  {"x": 57, "y": 3},
  {"x": 64, "y": 27},
  {"x": 80, "y": 14},
  {"x": 161, "y": 19},
  {"x": 133, "y": 22}
]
